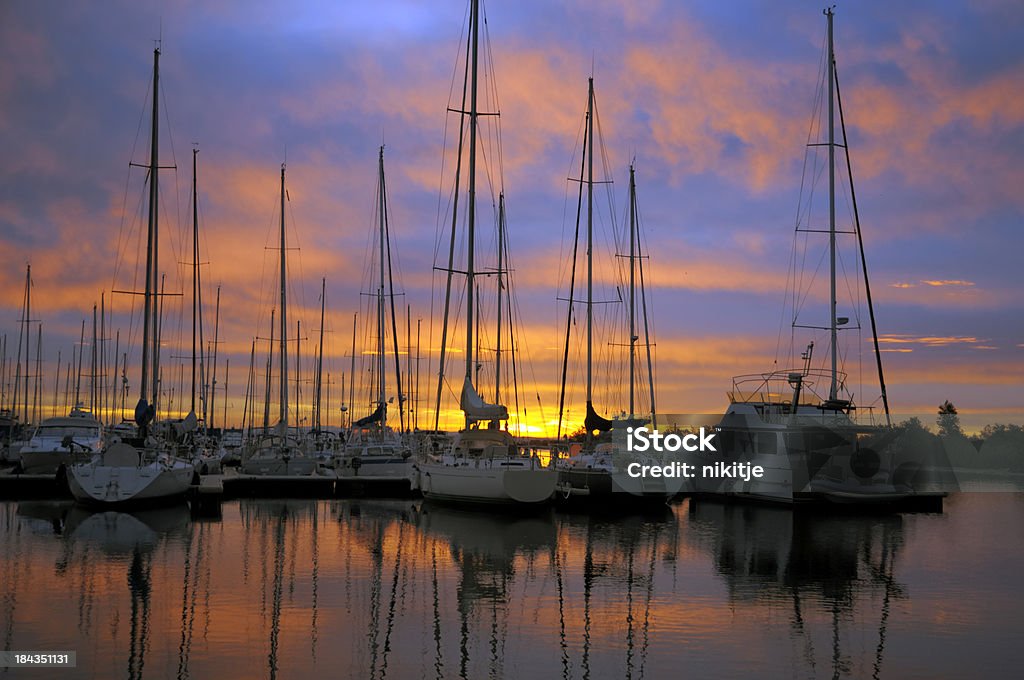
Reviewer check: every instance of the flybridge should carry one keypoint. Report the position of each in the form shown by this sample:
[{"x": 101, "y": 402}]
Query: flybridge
[{"x": 641, "y": 439}]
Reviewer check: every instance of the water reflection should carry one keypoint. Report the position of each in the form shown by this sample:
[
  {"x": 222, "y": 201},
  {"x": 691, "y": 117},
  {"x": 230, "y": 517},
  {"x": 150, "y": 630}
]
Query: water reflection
[
  {"x": 397, "y": 589},
  {"x": 611, "y": 565},
  {"x": 780, "y": 557},
  {"x": 489, "y": 551}
]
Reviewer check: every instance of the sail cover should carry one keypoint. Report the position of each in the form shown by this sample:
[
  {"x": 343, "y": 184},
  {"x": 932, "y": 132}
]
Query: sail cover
[
  {"x": 476, "y": 408},
  {"x": 593, "y": 421},
  {"x": 374, "y": 417},
  {"x": 189, "y": 424}
]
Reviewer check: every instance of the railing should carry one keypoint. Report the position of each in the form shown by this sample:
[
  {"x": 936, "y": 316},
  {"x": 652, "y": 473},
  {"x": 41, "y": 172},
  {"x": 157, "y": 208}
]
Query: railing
[{"x": 772, "y": 393}]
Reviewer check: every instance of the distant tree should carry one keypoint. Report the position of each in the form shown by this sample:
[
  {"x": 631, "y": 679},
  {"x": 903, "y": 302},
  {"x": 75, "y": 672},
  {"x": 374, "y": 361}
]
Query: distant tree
[
  {"x": 913, "y": 424},
  {"x": 997, "y": 429},
  {"x": 948, "y": 420}
]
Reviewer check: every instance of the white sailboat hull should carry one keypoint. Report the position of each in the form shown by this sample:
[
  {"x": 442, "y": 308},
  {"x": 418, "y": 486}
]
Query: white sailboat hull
[
  {"x": 488, "y": 482},
  {"x": 97, "y": 483}
]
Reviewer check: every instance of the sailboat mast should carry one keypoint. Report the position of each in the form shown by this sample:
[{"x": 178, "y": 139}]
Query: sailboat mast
[
  {"x": 78, "y": 376},
  {"x": 501, "y": 252},
  {"x": 270, "y": 368},
  {"x": 227, "y": 369},
  {"x": 632, "y": 289},
  {"x": 28, "y": 332},
  {"x": 382, "y": 206},
  {"x": 116, "y": 386},
  {"x": 590, "y": 247},
  {"x": 416, "y": 392},
  {"x": 283, "y": 419},
  {"x": 92, "y": 367},
  {"x": 471, "y": 226},
  {"x": 56, "y": 386},
  {"x": 37, "y": 393},
  {"x": 213, "y": 376},
  {"x": 832, "y": 392},
  {"x": 320, "y": 357},
  {"x": 101, "y": 391},
  {"x": 405, "y": 400},
  {"x": 195, "y": 277},
  {"x": 352, "y": 371},
  {"x": 149, "y": 379}
]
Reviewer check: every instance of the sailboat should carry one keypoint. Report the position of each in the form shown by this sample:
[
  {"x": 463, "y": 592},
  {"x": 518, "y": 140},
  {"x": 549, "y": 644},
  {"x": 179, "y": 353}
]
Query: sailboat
[
  {"x": 15, "y": 433},
  {"x": 199, "y": 446},
  {"x": 374, "y": 453},
  {"x": 278, "y": 453},
  {"x": 144, "y": 468},
  {"x": 596, "y": 472},
  {"x": 483, "y": 464},
  {"x": 803, "y": 427}
]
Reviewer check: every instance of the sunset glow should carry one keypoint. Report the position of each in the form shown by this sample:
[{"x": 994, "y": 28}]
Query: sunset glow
[{"x": 712, "y": 102}]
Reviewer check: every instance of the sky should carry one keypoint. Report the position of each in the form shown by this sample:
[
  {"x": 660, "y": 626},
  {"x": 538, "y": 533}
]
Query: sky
[{"x": 713, "y": 102}]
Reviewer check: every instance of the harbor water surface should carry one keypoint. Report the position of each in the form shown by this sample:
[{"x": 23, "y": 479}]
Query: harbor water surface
[{"x": 404, "y": 589}]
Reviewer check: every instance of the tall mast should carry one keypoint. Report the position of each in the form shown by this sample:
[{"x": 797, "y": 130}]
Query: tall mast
[
  {"x": 227, "y": 369},
  {"x": 270, "y": 369},
  {"x": 149, "y": 378},
  {"x": 381, "y": 206},
  {"x": 352, "y": 371},
  {"x": 24, "y": 332},
  {"x": 28, "y": 332},
  {"x": 116, "y": 383},
  {"x": 283, "y": 420},
  {"x": 590, "y": 248},
  {"x": 92, "y": 367},
  {"x": 470, "y": 274},
  {"x": 78, "y": 376},
  {"x": 56, "y": 386},
  {"x": 832, "y": 206},
  {"x": 416, "y": 391},
  {"x": 197, "y": 291},
  {"x": 405, "y": 400},
  {"x": 249, "y": 406},
  {"x": 320, "y": 358},
  {"x": 501, "y": 249},
  {"x": 37, "y": 393},
  {"x": 101, "y": 391},
  {"x": 213, "y": 377},
  {"x": 195, "y": 277},
  {"x": 632, "y": 289}
]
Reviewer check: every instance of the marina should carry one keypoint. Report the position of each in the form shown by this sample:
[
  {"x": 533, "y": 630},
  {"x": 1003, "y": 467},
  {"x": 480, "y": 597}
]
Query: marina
[{"x": 335, "y": 417}]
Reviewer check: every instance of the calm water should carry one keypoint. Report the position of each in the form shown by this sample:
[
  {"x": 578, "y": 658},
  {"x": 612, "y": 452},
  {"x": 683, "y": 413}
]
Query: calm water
[{"x": 393, "y": 589}]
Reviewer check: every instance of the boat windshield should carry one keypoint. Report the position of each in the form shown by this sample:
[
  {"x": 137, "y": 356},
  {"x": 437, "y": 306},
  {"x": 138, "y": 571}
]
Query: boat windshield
[{"x": 61, "y": 431}]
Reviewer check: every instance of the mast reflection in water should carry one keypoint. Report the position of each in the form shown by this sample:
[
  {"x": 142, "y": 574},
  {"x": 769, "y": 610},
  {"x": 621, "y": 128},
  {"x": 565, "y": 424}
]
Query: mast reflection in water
[{"x": 399, "y": 589}]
